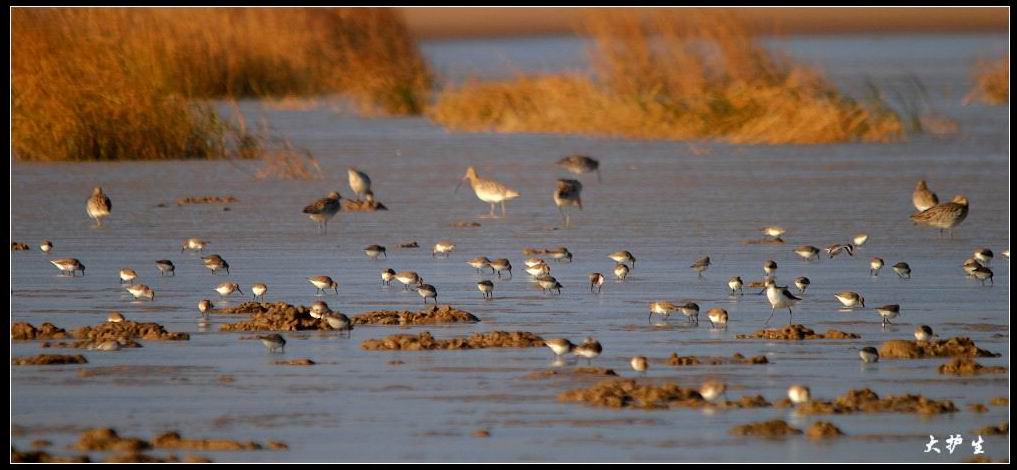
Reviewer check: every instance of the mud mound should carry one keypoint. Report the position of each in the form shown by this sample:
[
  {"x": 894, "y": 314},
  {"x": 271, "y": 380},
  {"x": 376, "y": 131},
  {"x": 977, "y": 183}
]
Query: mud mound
[
  {"x": 279, "y": 316},
  {"x": 823, "y": 430},
  {"x": 867, "y": 401},
  {"x": 968, "y": 366},
  {"x": 38, "y": 456},
  {"x": 625, "y": 393},
  {"x": 127, "y": 329},
  {"x": 424, "y": 341},
  {"x": 185, "y": 201},
  {"x": 48, "y": 359},
  {"x": 296, "y": 362},
  {"x": 957, "y": 346},
  {"x": 106, "y": 439},
  {"x": 18, "y": 246},
  {"x": 429, "y": 316},
  {"x": 774, "y": 429},
  {"x": 797, "y": 332},
  {"x": 737, "y": 358},
  {"x": 363, "y": 206},
  {"x": 1002, "y": 430},
  {"x": 22, "y": 331},
  {"x": 574, "y": 372}
]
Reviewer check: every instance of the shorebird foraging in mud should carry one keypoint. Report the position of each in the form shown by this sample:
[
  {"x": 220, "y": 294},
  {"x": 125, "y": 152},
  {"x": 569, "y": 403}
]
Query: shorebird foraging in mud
[
  {"x": 639, "y": 364},
  {"x": 559, "y": 346},
  {"x": 214, "y": 263},
  {"x": 193, "y": 244},
  {"x": 773, "y": 231},
  {"x": 428, "y": 291},
  {"x": 691, "y": 311},
  {"x": 868, "y": 354},
  {"x": 226, "y": 288},
  {"x": 807, "y": 252},
  {"x": 922, "y": 197},
  {"x": 983, "y": 255},
  {"x": 387, "y": 275},
  {"x": 580, "y": 164},
  {"x": 533, "y": 261},
  {"x": 735, "y": 284},
  {"x": 443, "y": 248},
  {"x": 859, "y": 239},
  {"x": 204, "y": 307},
  {"x": 924, "y": 333},
  {"x": 969, "y": 266},
  {"x": 875, "y": 264},
  {"x": 128, "y": 275},
  {"x": 323, "y": 283},
  {"x": 322, "y": 210},
  {"x": 621, "y": 271},
  {"x": 590, "y": 349},
  {"x": 98, "y": 205},
  {"x": 802, "y": 283},
  {"x": 596, "y": 280},
  {"x": 319, "y": 308},
  {"x": 480, "y": 263},
  {"x": 115, "y": 317},
  {"x": 538, "y": 270},
  {"x": 374, "y": 251},
  {"x": 717, "y": 317},
  {"x": 486, "y": 288},
  {"x": 141, "y": 291},
  {"x": 273, "y": 342},
  {"x": 46, "y": 246},
  {"x": 983, "y": 274},
  {"x": 258, "y": 289},
  {"x": 850, "y": 299},
  {"x": 487, "y": 190},
  {"x": 888, "y": 312},
  {"x": 560, "y": 253},
  {"x": 549, "y": 284},
  {"x": 712, "y": 390},
  {"x": 799, "y": 394},
  {"x": 623, "y": 257},
  {"x": 903, "y": 270},
  {"x": 500, "y": 265},
  {"x": 166, "y": 267},
  {"x": 779, "y": 297},
  {"x": 360, "y": 183},
  {"x": 338, "y": 321},
  {"x": 769, "y": 267},
  {"x": 568, "y": 193},
  {"x": 68, "y": 266},
  {"x": 944, "y": 216},
  {"x": 701, "y": 265},
  {"x": 662, "y": 308},
  {"x": 409, "y": 278},
  {"x": 838, "y": 248}
]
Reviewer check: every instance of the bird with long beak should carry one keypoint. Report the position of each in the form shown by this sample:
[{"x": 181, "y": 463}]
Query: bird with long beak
[{"x": 488, "y": 190}]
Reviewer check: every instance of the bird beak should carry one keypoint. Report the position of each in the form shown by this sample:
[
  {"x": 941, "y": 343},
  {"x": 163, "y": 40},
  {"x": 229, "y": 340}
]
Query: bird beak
[{"x": 458, "y": 186}]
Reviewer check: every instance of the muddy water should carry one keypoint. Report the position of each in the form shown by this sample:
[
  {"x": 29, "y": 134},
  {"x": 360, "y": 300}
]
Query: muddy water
[{"x": 668, "y": 202}]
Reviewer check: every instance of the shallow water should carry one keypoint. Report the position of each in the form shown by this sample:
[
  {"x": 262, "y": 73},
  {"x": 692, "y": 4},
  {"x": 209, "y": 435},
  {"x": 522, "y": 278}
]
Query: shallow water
[{"x": 668, "y": 202}]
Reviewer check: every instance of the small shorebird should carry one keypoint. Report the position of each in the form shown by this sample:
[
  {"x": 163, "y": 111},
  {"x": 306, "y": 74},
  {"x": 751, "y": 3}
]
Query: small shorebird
[
  {"x": 623, "y": 257},
  {"x": 970, "y": 265},
  {"x": 128, "y": 275},
  {"x": 480, "y": 263},
  {"x": 428, "y": 291},
  {"x": 387, "y": 275},
  {"x": 205, "y": 306},
  {"x": 322, "y": 210},
  {"x": 903, "y": 270},
  {"x": 46, "y": 246},
  {"x": 549, "y": 284},
  {"x": 115, "y": 317},
  {"x": 850, "y": 299},
  {"x": 691, "y": 311},
  {"x": 568, "y": 194},
  {"x": 717, "y": 316},
  {"x": 259, "y": 289},
  {"x": 888, "y": 312},
  {"x": 166, "y": 267},
  {"x": 559, "y": 346},
  {"x": 922, "y": 197},
  {"x": 639, "y": 364},
  {"x": 215, "y": 263},
  {"x": 226, "y": 288},
  {"x": 193, "y": 244},
  {"x": 735, "y": 284},
  {"x": 779, "y": 297},
  {"x": 799, "y": 394},
  {"x": 579, "y": 164},
  {"x": 662, "y": 308},
  {"x": 533, "y": 261},
  {"x": 802, "y": 283},
  {"x": 875, "y": 264},
  {"x": 590, "y": 349},
  {"x": 338, "y": 321},
  {"x": 944, "y": 216},
  {"x": 68, "y": 266},
  {"x": 319, "y": 308},
  {"x": 773, "y": 231},
  {"x": 712, "y": 390},
  {"x": 501, "y": 264},
  {"x": 374, "y": 251},
  {"x": 701, "y": 265},
  {"x": 807, "y": 252},
  {"x": 983, "y": 255},
  {"x": 273, "y": 342},
  {"x": 322, "y": 283},
  {"x": 560, "y": 253},
  {"x": 983, "y": 274},
  {"x": 141, "y": 291},
  {"x": 408, "y": 278},
  {"x": 869, "y": 354},
  {"x": 621, "y": 271},
  {"x": 98, "y": 205},
  {"x": 859, "y": 239},
  {"x": 486, "y": 288},
  {"x": 924, "y": 333},
  {"x": 769, "y": 267},
  {"x": 360, "y": 183},
  {"x": 487, "y": 190},
  {"x": 538, "y": 270},
  {"x": 596, "y": 280},
  {"x": 443, "y": 247},
  {"x": 838, "y": 248}
]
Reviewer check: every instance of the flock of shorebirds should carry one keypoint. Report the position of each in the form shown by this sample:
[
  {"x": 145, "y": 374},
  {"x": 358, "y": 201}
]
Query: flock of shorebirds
[{"x": 567, "y": 194}]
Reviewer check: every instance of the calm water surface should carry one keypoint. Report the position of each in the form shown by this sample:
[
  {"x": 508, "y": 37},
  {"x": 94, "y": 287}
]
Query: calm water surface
[{"x": 667, "y": 202}]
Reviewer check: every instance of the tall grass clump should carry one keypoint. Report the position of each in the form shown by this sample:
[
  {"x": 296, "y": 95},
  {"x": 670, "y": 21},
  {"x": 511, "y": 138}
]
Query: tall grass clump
[
  {"x": 701, "y": 77},
  {"x": 138, "y": 83},
  {"x": 992, "y": 82}
]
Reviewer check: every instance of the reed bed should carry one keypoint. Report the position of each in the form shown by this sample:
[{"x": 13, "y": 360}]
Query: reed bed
[
  {"x": 699, "y": 77},
  {"x": 992, "y": 82},
  {"x": 136, "y": 83}
]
